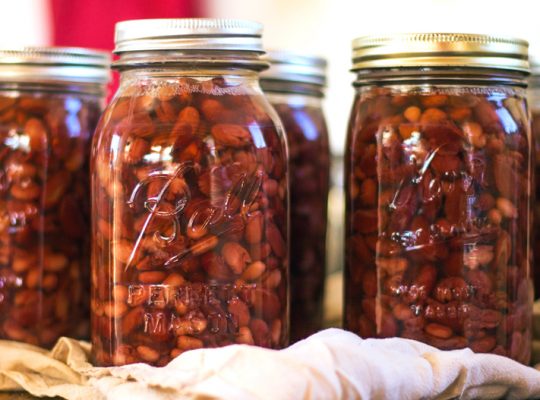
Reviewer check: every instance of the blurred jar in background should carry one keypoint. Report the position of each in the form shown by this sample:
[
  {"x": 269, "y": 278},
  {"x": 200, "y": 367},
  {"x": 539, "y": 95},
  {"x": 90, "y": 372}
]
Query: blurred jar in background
[
  {"x": 534, "y": 106},
  {"x": 50, "y": 102},
  {"x": 438, "y": 184},
  {"x": 294, "y": 86}
]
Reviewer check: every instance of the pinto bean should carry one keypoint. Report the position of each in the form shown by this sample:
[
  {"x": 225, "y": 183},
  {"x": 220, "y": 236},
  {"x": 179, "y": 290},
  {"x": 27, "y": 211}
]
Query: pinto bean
[{"x": 235, "y": 256}]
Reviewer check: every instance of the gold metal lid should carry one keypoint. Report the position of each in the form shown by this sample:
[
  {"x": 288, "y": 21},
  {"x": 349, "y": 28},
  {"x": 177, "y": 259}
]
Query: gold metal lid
[{"x": 440, "y": 50}]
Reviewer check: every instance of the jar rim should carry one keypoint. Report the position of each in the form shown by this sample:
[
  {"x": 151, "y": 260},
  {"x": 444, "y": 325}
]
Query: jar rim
[
  {"x": 428, "y": 50},
  {"x": 284, "y": 87},
  {"x": 190, "y": 60},
  {"x": 440, "y": 75}
]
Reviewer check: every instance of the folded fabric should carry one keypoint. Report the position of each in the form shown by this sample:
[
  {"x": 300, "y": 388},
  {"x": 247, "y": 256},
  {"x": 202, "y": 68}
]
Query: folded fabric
[{"x": 333, "y": 364}]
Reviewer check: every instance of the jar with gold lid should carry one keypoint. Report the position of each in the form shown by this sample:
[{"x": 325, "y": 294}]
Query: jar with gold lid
[{"x": 438, "y": 192}]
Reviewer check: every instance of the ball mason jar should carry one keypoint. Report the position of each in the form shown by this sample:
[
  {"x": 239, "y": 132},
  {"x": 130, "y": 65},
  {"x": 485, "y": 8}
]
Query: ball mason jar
[
  {"x": 438, "y": 192},
  {"x": 294, "y": 85},
  {"x": 50, "y": 102},
  {"x": 190, "y": 196}
]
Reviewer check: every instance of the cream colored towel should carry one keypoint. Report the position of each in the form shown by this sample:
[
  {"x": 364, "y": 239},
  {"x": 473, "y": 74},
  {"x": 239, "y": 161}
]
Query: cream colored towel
[{"x": 332, "y": 364}]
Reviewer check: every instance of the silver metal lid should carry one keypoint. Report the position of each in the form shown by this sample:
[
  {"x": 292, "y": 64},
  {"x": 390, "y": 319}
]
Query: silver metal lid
[
  {"x": 54, "y": 65},
  {"x": 188, "y": 34},
  {"x": 440, "y": 50},
  {"x": 295, "y": 67}
]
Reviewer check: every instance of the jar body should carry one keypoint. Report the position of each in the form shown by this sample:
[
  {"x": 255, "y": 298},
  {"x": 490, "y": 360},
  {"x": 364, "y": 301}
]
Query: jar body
[
  {"x": 534, "y": 105},
  {"x": 309, "y": 155},
  {"x": 438, "y": 182},
  {"x": 190, "y": 218},
  {"x": 45, "y": 207}
]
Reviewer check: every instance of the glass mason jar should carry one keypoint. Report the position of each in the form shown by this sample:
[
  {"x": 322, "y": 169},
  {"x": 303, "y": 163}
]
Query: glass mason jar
[
  {"x": 190, "y": 196},
  {"x": 438, "y": 191},
  {"x": 294, "y": 86},
  {"x": 50, "y": 102},
  {"x": 534, "y": 105}
]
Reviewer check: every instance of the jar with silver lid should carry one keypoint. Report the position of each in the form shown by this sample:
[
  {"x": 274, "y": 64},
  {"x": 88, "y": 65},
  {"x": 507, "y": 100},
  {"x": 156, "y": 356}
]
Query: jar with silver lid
[
  {"x": 438, "y": 192},
  {"x": 50, "y": 101},
  {"x": 294, "y": 85},
  {"x": 190, "y": 196}
]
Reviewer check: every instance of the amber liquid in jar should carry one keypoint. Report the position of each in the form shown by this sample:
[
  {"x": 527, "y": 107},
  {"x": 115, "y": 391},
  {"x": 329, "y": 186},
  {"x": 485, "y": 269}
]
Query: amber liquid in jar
[
  {"x": 309, "y": 162},
  {"x": 190, "y": 219},
  {"x": 438, "y": 215},
  {"x": 44, "y": 212}
]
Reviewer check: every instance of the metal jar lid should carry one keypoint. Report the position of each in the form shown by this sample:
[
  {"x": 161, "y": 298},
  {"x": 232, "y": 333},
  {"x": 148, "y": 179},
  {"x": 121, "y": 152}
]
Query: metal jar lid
[
  {"x": 54, "y": 65},
  {"x": 535, "y": 65},
  {"x": 440, "y": 50},
  {"x": 295, "y": 67},
  {"x": 188, "y": 34}
]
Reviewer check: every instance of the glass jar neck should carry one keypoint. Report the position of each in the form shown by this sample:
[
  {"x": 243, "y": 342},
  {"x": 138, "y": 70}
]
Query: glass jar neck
[
  {"x": 276, "y": 86},
  {"x": 294, "y": 99},
  {"x": 443, "y": 75},
  {"x": 90, "y": 89},
  {"x": 150, "y": 78}
]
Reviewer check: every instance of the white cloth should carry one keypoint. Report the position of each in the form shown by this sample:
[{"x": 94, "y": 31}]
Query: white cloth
[{"x": 333, "y": 364}]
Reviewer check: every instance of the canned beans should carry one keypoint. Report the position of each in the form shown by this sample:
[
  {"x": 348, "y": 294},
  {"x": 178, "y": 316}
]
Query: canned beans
[
  {"x": 189, "y": 223},
  {"x": 536, "y": 236},
  {"x": 438, "y": 212},
  {"x": 310, "y": 168},
  {"x": 44, "y": 215}
]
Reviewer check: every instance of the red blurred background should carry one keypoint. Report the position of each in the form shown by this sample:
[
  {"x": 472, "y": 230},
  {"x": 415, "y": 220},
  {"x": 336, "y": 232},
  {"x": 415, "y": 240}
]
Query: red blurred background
[{"x": 91, "y": 23}]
